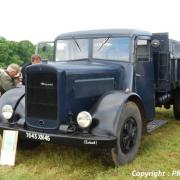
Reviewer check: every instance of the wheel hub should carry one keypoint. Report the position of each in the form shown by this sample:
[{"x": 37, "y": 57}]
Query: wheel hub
[{"x": 128, "y": 135}]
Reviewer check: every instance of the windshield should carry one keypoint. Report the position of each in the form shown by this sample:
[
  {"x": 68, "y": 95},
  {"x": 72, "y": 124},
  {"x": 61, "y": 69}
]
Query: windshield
[
  {"x": 111, "y": 48},
  {"x": 106, "y": 48},
  {"x": 72, "y": 49}
]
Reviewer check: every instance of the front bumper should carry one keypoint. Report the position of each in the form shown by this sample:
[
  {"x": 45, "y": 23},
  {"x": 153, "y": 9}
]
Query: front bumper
[{"x": 74, "y": 139}]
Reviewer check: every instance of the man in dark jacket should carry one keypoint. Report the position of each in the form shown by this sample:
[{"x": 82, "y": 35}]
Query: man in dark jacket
[{"x": 35, "y": 59}]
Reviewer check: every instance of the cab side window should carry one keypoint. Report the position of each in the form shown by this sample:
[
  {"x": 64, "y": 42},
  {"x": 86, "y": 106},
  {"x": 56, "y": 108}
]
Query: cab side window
[{"x": 143, "y": 50}]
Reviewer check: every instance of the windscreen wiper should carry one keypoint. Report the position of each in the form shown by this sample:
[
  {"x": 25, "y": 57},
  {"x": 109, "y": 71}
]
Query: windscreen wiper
[
  {"x": 77, "y": 44},
  {"x": 106, "y": 40}
]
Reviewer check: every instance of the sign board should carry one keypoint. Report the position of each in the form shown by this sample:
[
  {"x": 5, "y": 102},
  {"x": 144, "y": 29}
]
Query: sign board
[{"x": 8, "y": 148}]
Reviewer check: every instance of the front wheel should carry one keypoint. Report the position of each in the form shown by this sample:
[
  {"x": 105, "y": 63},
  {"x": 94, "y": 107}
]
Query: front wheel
[{"x": 128, "y": 135}]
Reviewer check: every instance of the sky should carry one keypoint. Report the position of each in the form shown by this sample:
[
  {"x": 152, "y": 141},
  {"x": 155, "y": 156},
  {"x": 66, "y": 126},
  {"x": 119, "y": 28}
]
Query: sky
[{"x": 43, "y": 20}]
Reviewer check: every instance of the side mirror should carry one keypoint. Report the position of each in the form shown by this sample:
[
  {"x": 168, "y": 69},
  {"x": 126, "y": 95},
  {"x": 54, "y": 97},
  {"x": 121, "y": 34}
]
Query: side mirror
[{"x": 155, "y": 43}]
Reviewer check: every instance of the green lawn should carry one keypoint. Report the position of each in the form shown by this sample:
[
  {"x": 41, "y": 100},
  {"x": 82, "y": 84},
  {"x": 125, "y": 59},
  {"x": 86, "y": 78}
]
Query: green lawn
[{"x": 160, "y": 150}]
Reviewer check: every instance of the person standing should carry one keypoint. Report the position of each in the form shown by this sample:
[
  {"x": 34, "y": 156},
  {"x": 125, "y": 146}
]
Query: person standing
[
  {"x": 35, "y": 59},
  {"x": 8, "y": 77}
]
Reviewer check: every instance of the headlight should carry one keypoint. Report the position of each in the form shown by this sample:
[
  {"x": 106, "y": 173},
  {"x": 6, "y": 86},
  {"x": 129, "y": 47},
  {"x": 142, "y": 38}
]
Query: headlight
[
  {"x": 84, "y": 119},
  {"x": 7, "y": 111}
]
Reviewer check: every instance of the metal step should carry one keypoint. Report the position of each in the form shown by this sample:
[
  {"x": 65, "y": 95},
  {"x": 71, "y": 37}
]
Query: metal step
[{"x": 156, "y": 123}]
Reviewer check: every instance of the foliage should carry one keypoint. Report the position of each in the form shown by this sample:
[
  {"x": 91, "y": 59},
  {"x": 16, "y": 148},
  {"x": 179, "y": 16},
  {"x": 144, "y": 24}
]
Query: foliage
[
  {"x": 160, "y": 150},
  {"x": 4, "y": 52},
  {"x": 25, "y": 50},
  {"x": 45, "y": 50},
  {"x": 15, "y": 52}
]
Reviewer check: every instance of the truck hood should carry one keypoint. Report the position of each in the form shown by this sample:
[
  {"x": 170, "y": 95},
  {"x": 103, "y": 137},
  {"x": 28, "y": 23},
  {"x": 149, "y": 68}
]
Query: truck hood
[
  {"x": 56, "y": 92},
  {"x": 84, "y": 66}
]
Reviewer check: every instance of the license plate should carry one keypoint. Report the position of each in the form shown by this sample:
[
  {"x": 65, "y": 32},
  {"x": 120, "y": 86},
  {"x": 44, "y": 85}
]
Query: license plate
[{"x": 38, "y": 136}]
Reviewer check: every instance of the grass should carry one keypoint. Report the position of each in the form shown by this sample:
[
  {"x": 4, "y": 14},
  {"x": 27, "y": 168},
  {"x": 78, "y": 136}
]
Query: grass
[{"x": 160, "y": 150}]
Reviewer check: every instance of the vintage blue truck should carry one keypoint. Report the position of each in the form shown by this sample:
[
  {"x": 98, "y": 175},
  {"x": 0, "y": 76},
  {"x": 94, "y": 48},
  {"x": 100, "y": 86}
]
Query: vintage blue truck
[{"x": 100, "y": 89}]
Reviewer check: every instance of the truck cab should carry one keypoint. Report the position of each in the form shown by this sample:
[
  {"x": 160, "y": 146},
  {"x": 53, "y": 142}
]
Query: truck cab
[
  {"x": 121, "y": 48},
  {"x": 99, "y": 90}
]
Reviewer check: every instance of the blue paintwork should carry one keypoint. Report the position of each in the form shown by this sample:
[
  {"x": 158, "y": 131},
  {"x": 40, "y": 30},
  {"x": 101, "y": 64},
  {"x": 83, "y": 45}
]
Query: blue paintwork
[
  {"x": 12, "y": 98},
  {"x": 107, "y": 112},
  {"x": 123, "y": 77},
  {"x": 86, "y": 71},
  {"x": 145, "y": 86}
]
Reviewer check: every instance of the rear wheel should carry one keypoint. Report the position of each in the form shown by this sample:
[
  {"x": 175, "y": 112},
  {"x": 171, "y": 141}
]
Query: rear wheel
[
  {"x": 176, "y": 106},
  {"x": 129, "y": 134}
]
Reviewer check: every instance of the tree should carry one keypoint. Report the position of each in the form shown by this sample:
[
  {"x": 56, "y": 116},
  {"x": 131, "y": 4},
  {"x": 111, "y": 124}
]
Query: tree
[
  {"x": 25, "y": 50},
  {"x": 4, "y": 53},
  {"x": 15, "y": 52}
]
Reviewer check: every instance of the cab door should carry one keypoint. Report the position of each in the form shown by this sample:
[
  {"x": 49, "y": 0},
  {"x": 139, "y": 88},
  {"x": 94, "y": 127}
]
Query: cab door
[{"x": 144, "y": 75}]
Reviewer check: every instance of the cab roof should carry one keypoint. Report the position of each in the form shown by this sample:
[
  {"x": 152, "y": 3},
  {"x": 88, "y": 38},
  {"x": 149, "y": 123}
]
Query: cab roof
[{"x": 102, "y": 33}]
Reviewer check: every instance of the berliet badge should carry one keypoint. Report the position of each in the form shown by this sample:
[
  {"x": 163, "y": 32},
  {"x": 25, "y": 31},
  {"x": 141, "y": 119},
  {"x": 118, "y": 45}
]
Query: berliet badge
[
  {"x": 91, "y": 142},
  {"x": 46, "y": 84}
]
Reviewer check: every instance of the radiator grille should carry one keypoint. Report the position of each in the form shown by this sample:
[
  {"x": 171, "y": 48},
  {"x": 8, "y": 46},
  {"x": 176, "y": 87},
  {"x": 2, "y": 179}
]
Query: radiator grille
[{"x": 41, "y": 95}]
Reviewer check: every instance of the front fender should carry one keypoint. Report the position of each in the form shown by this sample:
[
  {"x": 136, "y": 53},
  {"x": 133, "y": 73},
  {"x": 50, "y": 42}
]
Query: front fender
[
  {"x": 107, "y": 111},
  {"x": 15, "y": 98}
]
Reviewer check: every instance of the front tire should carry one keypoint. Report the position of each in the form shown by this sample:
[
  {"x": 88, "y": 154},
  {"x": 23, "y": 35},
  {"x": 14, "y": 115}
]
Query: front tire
[{"x": 128, "y": 135}]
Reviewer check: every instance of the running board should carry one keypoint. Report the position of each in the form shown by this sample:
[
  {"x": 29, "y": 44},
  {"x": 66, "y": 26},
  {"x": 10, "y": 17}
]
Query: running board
[{"x": 151, "y": 126}]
